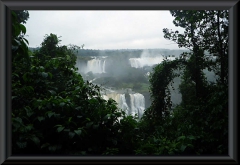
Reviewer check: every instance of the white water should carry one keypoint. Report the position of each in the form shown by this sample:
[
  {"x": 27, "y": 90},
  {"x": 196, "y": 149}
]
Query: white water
[
  {"x": 147, "y": 61},
  {"x": 96, "y": 66},
  {"x": 137, "y": 103},
  {"x": 120, "y": 99},
  {"x": 104, "y": 64}
]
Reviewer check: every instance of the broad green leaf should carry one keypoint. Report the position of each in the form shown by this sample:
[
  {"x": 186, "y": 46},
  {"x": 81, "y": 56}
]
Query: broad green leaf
[
  {"x": 35, "y": 140},
  {"x": 57, "y": 125},
  {"x": 190, "y": 145},
  {"x": 89, "y": 124},
  {"x": 29, "y": 89},
  {"x": 23, "y": 28},
  {"x": 181, "y": 138},
  {"x": 40, "y": 118},
  {"x": 62, "y": 104},
  {"x": 183, "y": 147},
  {"x": 26, "y": 40},
  {"x": 50, "y": 113},
  {"x": 50, "y": 74},
  {"x": 191, "y": 137},
  {"x": 15, "y": 74},
  {"x": 45, "y": 145},
  {"x": 44, "y": 74},
  {"x": 59, "y": 129},
  {"x": 107, "y": 116},
  {"x": 41, "y": 67},
  {"x": 78, "y": 132},
  {"x": 71, "y": 134},
  {"x": 16, "y": 42},
  {"x": 17, "y": 31},
  {"x": 29, "y": 127},
  {"x": 25, "y": 77},
  {"x": 28, "y": 111},
  {"x": 52, "y": 92},
  {"x": 95, "y": 126}
]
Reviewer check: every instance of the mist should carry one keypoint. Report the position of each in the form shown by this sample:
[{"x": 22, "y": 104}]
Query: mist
[{"x": 123, "y": 75}]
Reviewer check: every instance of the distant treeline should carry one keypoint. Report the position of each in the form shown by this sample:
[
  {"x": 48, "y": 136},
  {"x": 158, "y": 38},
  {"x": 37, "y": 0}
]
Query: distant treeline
[{"x": 132, "y": 52}]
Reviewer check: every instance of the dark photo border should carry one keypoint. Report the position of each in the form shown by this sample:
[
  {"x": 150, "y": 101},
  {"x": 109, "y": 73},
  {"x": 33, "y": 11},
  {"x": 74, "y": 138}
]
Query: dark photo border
[{"x": 5, "y": 76}]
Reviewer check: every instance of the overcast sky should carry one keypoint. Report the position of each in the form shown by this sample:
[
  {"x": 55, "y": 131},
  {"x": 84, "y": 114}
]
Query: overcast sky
[{"x": 102, "y": 29}]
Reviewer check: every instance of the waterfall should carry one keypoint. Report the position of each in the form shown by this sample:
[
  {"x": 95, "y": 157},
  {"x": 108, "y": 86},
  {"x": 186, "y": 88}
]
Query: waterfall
[
  {"x": 120, "y": 99},
  {"x": 104, "y": 63},
  {"x": 147, "y": 61},
  {"x": 134, "y": 62},
  {"x": 122, "y": 103},
  {"x": 137, "y": 102},
  {"x": 95, "y": 65}
]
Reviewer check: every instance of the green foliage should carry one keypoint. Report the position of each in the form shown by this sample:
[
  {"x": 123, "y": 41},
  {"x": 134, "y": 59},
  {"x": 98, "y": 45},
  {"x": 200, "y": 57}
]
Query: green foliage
[
  {"x": 19, "y": 43},
  {"x": 22, "y": 16},
  {"x": 54, "y": 111},
  {"x": 199, "y": 124},
  {"x": 160, "y": 79},
  {"x": 205, "y": 30},
  {"x": 207, "y": 121}
]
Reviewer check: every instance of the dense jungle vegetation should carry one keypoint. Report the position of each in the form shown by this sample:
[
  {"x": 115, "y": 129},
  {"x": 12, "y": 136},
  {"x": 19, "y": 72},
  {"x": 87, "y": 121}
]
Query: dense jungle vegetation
[{"x": 54, "y": 111}]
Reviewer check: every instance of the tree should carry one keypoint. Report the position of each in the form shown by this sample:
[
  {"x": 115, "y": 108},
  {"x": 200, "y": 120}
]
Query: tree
[
  {"x": 22, "y": 16},
  {"x": 53, "y": 109},
  {"x": 201, "y": 118},
  {"x": 205, "y": 31},
  {"x": 209, "y": 29},
  {"x": 192, "y": 22},
  {"x": 217, "y": 40}
]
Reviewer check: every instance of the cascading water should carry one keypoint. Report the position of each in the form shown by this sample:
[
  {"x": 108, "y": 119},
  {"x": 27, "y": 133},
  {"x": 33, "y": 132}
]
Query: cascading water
[
  {"x": 137, "y": 102},
  {"x": 104, "y": 64},
  {"x": 96, "y": 66},
  {"x": 120, "y": 99},
  {"x": 147, "y": 61}
]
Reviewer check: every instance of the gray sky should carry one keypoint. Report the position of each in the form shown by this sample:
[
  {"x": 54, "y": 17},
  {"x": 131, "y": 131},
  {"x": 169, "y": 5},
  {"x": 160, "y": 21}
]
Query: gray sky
[{"x": 124, "y": 29}]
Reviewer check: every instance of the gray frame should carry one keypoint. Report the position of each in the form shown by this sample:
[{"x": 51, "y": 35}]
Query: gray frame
[{"x": 5, "y": 75}]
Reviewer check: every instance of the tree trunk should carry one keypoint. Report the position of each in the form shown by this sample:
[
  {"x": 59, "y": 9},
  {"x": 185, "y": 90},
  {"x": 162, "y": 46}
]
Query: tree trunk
[{"x": 197, "y": 69}]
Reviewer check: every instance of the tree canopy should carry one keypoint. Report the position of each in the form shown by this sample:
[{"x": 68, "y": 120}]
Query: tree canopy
[
  {"x": 54, "y": 111},
  {"x": 202, "y": 117}
]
